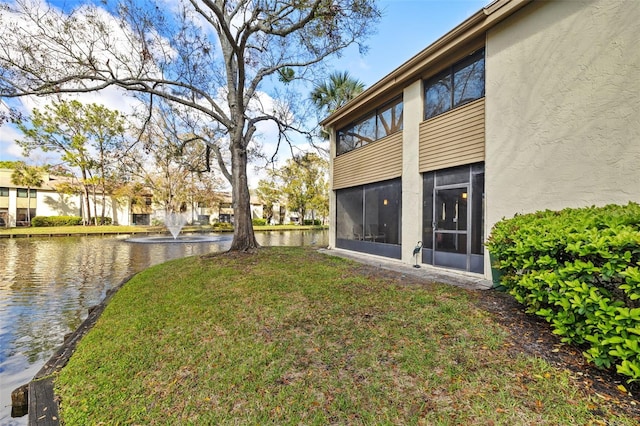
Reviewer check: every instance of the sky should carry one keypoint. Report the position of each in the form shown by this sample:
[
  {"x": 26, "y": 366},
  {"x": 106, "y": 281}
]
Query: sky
[{"x": 407, "y": 27}]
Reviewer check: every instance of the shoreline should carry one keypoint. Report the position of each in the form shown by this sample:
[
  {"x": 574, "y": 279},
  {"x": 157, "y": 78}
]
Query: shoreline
[
  {"x": 91, "y": 231},
  {"x": 37, "y": 399}
]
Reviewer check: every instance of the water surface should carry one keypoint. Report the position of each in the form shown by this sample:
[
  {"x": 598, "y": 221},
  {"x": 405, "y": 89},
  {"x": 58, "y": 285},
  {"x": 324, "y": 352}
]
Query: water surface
[{"x": 48, "y": 284}]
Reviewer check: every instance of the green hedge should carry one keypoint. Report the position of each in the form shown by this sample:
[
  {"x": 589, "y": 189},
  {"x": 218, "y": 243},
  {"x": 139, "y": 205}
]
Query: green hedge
[
  {"x": 44, "y": 221},
  {"x": 222, "y": 226},
  {"x": 259, "y": 222},
  {"x": 309, "y": 222},
  {"x": 104, "y": 220},
  {"x": 579, "y": 269}
]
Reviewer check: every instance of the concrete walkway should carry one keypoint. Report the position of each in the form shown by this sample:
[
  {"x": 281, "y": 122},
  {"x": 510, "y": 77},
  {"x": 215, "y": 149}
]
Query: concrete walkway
[{"x": 427, "y": 272}]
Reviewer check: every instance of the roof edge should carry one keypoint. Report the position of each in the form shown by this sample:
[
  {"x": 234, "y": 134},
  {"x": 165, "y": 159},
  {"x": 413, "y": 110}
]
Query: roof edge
[{"x": 481, "y": 21}]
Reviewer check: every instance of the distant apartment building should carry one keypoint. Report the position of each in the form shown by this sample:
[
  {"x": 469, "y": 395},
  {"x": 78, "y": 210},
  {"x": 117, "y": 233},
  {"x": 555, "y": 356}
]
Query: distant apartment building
[{"x": 48, "y": 200}]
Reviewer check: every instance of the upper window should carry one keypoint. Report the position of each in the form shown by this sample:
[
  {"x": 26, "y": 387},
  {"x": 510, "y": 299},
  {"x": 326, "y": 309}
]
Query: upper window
[
  {"x": 378, "y": 124},
  {"x": 456, "y": 86},
  {"x": 22, "y": 193},
  {"x": 4, "y": 192}
]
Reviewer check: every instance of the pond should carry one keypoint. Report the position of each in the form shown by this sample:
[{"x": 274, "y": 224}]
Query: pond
[{"x": 48, "y": 284}]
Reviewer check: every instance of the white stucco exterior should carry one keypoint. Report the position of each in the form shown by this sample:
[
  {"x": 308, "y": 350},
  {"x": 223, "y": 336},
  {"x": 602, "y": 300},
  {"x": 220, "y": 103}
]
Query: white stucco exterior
[{"x": 563, "y": 107}]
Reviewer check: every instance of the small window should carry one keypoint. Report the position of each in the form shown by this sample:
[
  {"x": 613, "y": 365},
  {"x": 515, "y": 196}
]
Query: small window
[
  {"x": 4, "y": 192},
  {"x": 458, "y": 85},
  {"x": 381, "y": 123},
  {"x": 147, "y": 201},
  {"x": 365, "y": 131},
  {"x": 389, "y": 119},
  {"x": 438, "y": 95},
  {"x": 468, "y": 80},
  {"x": 22, "y": 193}
]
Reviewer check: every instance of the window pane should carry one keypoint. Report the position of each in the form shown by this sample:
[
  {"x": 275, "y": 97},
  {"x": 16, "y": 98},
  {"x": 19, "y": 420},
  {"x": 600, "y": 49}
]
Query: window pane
[
  {"x": 349, "y": 221},
  {"x": 468, "y": 79},
  {"x": 364, "y": 132},
  {"x": 452, "y": 176},
  {"x": 22, "y": 216},
  {"x": 345, "y": 141},
  {"x": 438, "y": 95},
  {"x": 427, "y": 210},
  {"x": 22, "y": 193},
  {"x": 451, "y": 209},
  {"x": 451, "y": 243},
  {"x": 477, "y": 209},
  {"x": 4, "y": 192},
  {"x": 390, "y": 119},
  {"x": 382, "y": 212}
]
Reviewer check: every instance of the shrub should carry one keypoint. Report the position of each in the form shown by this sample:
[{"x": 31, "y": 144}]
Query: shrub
[
  {"x": 222, "y": 226},
  {"x": 259, "y": 222},
  {"x": 579, "y": 269},
  {"x": 311, "y": 222},
  {"x": 104, "y": 220},
  {"x": 45, "y": 221}
]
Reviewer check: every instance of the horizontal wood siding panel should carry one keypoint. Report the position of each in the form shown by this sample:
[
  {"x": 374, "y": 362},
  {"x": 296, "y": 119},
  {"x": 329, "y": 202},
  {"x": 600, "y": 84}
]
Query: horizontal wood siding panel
[
  {"x": 377, "y": 161},
  {"x": 23, "y": 203},
  {"x": 459, "y": 137},
  {"x": 463, "y": 127},
  {"x": 454, "y": 138}
]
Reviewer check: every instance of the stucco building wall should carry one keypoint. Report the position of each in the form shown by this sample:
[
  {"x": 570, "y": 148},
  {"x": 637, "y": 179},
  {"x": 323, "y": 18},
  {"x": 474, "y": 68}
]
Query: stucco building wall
[
  {"x": 411, "y": 177},
  {"x": 562, "y": 107}
]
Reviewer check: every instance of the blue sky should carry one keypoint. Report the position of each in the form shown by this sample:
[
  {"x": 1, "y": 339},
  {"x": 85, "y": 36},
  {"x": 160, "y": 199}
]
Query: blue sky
[{"x": 407, "y": 27}]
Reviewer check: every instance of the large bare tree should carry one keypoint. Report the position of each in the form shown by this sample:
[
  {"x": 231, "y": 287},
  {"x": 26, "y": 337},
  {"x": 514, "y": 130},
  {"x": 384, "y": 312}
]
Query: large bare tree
[{"x": 211, "y": 56}]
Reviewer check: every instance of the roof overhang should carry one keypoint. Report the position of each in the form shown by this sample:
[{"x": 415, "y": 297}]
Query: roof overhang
[{"x": 431, "y": 57}]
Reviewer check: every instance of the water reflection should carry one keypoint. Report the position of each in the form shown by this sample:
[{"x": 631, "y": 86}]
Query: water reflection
[{"x": 47, "y": 285}]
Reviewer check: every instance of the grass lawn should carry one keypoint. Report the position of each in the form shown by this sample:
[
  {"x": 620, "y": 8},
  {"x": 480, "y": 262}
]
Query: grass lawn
[
  {"x": 291, "y": 336},
  {"x": 47, "y": 230}
]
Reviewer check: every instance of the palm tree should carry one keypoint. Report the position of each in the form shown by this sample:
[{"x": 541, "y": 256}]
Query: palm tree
[
  {"x": 334, "y": 93},
  {"x": 29, "y": 176}
]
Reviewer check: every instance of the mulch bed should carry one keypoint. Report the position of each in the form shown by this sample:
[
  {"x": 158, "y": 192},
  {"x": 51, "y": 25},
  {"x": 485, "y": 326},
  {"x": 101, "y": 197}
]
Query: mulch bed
[{"x": 532, "y": 335}]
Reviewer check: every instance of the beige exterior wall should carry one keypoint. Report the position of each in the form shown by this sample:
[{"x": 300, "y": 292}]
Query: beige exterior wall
[
  {"x": 332, "y": 192},
  {"x": 411, "y": 177},
  {"x": 377, "y": 161},
  {"x": 454, "y": 138},
  {"x": 562, "y": 99}
]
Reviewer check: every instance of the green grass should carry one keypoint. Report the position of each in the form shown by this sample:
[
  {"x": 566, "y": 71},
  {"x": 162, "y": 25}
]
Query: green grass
[
  {"x": 291, "y": 336},
  {"x": 47, "y": 230}
]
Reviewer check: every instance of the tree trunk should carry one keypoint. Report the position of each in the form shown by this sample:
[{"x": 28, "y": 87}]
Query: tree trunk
[
  {"x": 104, "y": 201},
  {"x": 95, "y": 205},
  {"x": 29, "y": 205},
  {"x": 243, "y": 236},
  {"x": 87, "y": 197},
  {"x": 87, "y": 205}
]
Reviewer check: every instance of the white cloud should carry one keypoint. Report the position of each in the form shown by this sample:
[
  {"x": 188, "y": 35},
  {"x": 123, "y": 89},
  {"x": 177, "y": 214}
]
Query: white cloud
[
  {"x": 9, "y": 150},
  {"x": 116, "y": 46}
]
